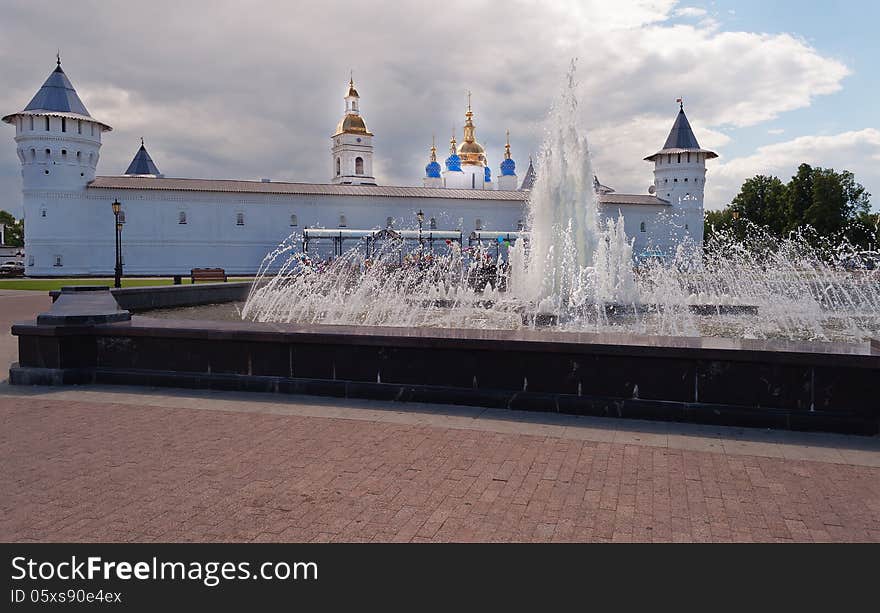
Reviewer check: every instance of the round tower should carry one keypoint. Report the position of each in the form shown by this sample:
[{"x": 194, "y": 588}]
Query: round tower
[
  {"x": 58, "y": 144},
  {"x": 352, "y": 149},
  {"x": 680, "y": 178}
]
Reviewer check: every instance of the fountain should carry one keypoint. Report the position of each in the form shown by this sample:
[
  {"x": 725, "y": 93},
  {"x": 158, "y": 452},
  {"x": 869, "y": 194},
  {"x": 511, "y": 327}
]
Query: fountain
[
  {"x": 574, "y": 271},
  {"x": 556, "y": 318}
]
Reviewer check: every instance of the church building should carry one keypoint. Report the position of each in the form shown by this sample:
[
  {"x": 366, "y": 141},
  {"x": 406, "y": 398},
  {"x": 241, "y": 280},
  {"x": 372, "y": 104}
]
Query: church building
[{"x": 171, "y": 225}]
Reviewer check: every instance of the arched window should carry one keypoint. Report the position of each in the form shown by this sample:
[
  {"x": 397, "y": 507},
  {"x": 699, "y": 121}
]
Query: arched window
[
  {"x": 519, "y": 225},
  {"x": 685, "y": 227},
  {"x": 64, "y": 124},
  {"x": 48, "y": 153},
  {"x": 58, "y": 261},
  {"x": 32, "y": 122},
  {"x": 642, "y": 227},
  {"x": 239, "y": 219},
  {"x": 669, "y": 158},
  {"x": 93, "y": 128},
  {"x": 358, "y": 166},
  {"x": 42, "y": 212},
  {"x": 181, "y": 217},
  {"x": 33, "y": 154},
  {"x": 478, "y": 224},
  {"x": 79, "y": 126},
  {"x": 679, "y": 158},
  {"x": 689, "y": 157},
  {"x": 433, "y": 224},
  {"x": 338, "y": 167},
  {"x": 47, "y": 124},
  {"x": 78, "y": 156},
  {"x": 343, "y": 222},
  {"x": 389, "y": 221},
  {"x": 64, "y": 153},
  {"x": 293, "y": 221}
]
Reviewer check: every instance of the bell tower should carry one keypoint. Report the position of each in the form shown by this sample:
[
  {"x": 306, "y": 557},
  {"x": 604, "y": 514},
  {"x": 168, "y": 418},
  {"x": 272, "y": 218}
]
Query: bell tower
[{"x": 352, "y": 145}]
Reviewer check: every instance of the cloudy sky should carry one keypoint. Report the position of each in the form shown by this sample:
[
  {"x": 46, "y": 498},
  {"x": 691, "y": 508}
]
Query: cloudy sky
[{"x": 232, "y": 89}]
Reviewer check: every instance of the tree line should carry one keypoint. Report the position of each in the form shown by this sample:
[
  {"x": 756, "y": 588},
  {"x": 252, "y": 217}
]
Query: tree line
[
  {"x": 13, "y": 232},
  {"x": 832, "y": 205}
]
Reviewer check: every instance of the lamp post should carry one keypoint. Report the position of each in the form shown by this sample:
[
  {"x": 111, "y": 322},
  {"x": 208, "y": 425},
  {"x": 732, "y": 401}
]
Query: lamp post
[
  {"x": 421, "y": 217},
  {"x": 117, "y": 282}
]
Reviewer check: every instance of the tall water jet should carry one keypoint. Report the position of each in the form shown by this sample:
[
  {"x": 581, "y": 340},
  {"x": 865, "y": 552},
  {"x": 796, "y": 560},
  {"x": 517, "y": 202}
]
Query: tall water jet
[{"x": 573, "y": 259}]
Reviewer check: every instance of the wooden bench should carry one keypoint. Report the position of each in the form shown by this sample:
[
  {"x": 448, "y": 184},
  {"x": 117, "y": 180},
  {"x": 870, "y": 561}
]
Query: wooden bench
[{"x": 207, "y": 274}]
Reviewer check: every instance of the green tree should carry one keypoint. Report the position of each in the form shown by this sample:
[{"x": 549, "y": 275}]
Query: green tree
[
  {"x": 14, "y": 231},
  {"x": 799, "y": 197},
  {"x": 762, "y": 201}
]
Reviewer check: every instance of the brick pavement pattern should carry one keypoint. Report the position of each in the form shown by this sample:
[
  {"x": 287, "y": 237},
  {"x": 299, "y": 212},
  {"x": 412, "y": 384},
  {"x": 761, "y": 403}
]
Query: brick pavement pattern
[{"x": 76, "y": 471}]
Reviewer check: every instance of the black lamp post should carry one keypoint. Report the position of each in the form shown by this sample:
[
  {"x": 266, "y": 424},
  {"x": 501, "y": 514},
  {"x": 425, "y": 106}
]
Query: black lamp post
[
  {"x": 421, "y": 217},
  {"x": 117, "y": 283}
]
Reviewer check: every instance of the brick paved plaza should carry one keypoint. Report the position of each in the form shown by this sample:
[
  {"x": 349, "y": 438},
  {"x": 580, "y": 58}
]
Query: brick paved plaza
[{"x": 114, "y": 464}]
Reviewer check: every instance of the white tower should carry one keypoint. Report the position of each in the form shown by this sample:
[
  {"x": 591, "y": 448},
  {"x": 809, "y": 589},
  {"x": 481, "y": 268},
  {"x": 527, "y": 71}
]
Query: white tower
[
  {"x": 352, "y": 145},
  {"x": 680, "y": 178},
  {"x": 507, "y": 179},
  {"x": 59, "y": 146}
]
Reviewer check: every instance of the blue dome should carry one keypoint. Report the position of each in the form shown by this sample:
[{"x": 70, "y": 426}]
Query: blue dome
[
  {"x": 487, "y": 175},
  {"x": 432, "y": 170},
  {"x": 453, "y": 162},
  {"x": 508, "y": 168}
]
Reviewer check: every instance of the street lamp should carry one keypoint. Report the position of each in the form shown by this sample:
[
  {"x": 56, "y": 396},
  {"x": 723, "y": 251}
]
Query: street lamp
[
  {"x": 117, "y": 283},
  {"x": 421, "y": 217}
]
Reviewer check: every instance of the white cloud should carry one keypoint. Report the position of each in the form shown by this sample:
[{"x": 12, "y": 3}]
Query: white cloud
[
  {"x": 857, "y": 151},
  {"x": 690, "y": 11},
  {"x": 776, "y": 131}
]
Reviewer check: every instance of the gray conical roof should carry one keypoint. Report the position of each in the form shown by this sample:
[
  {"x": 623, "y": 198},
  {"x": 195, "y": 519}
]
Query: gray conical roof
[
  {"x": 142, "y": 164},
  {"x": 681, "y": 136},
  {"x": 529, "y": 180},
  {"x": 681, "y": 139},
  {"x": 58, "y": 95}
]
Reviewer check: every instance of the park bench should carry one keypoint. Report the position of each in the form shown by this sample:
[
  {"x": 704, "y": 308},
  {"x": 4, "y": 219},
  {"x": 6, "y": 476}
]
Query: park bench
[{"x": 207, "y": 274}]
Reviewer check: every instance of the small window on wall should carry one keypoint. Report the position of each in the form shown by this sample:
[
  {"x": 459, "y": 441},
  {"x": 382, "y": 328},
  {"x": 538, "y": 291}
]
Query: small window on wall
[
  {"x": 58, "y": 261},
  {"x": 686, "y": 227},
  {"x": 32, "y": 127},
  {"x": 294, "y": 222},
  {"x": 47, "y": 124},
  {"x": 338, "y": 167},
  {"x": 42, "y": 212},
  {"x": 30, "y": 260},
  {"x": 48, "y": 153},
  {"x": 642, "y": 227},
  {"x": 239, "y": 219},
  {"x": 343, "y": 222},
  {"x": 121, "y": 216},
  {"x": 433, "y": 224},
  {"x": 389, "y": 221},
  {"x": 79, "y": 126},
  {"x": 478, "y": 224},
  {"x": 64, "y": 124},
  {"x": 358, "y": 166},
  {"x": 519, "y": 225},
  {"x": 181, "y": 217}
]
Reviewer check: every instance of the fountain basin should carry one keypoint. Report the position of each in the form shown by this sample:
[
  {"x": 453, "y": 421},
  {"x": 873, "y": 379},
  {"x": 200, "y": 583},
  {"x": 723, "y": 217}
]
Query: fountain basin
[{"x": 782, "y": 384}]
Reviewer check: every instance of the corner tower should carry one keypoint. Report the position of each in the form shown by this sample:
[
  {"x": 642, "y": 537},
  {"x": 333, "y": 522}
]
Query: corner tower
[
  {"x": 58, "y": 144},
  {"x": 352, "y": 148},
  {"x": 680, "y": 176}
]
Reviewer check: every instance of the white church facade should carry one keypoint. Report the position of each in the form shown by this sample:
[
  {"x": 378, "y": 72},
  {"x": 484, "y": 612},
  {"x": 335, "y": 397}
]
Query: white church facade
[{"x": 171, "y": 225}]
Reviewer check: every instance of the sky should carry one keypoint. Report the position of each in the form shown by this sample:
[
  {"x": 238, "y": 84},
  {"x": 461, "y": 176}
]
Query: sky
[{"x": 228, "y": 89}]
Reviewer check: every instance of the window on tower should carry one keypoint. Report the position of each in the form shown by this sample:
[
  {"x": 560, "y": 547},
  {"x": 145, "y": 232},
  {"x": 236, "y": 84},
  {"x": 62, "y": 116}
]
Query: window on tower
[
  {"x": 433, "y": 224},
  {"x": 642, "y": 227},
  {"x": 239, "y": 219},
  {"x": 689, "y": 157},
  {"x": 343, "y": 222},
  {"x": 679, "y": 158},
  {"x": 47, "y": 124},
  {"x": 293, "y": 221},
  {"x": 64, "y": 124},
  {"x": 79, "y": 126},
  {"x": 358, "y": 166},
  {"x": 478, "y": 224},
  {"x": 181, "y": 217},
  {"x": 338, "y": 167},
  {"x": 32, "y": 122}
]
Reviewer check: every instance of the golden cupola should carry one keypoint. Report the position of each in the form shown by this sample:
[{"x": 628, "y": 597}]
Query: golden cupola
[
  {"x": 352, "y": 122},
  {"x": 470, "y": 151}
]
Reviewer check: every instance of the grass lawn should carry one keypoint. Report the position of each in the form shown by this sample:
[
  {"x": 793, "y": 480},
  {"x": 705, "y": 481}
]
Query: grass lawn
[{"x": 45, "y": 285}]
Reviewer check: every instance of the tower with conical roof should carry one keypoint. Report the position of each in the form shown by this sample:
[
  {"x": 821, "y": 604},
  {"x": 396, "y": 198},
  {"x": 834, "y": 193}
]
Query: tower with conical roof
[
  {"x": 58, "y": 144},
  {"x": 352, "y": 145},
  {"x": 680, "y": 177}
]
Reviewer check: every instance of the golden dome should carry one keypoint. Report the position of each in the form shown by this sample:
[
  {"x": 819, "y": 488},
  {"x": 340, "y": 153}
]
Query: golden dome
[
  {"x": 352, "y": 124},
  {"x": 470, "y": 151}
]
